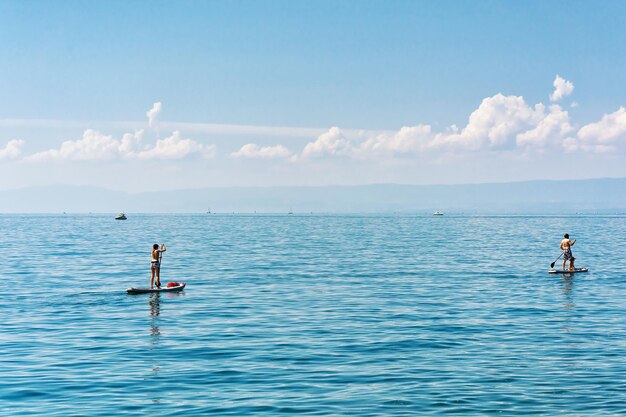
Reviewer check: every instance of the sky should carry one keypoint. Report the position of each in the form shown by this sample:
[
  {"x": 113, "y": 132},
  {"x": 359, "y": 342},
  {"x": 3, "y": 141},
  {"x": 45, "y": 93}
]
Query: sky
[{"x": 147, "y": 96}]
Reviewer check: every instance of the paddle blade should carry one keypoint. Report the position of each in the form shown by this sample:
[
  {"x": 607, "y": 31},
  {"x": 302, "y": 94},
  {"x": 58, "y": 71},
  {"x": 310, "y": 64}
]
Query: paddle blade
[{"x": 552, "y": 264}]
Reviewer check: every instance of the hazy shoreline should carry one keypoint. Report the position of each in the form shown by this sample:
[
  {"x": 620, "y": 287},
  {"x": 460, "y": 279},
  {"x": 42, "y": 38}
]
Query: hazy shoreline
[{"x": 602, "y": 196}]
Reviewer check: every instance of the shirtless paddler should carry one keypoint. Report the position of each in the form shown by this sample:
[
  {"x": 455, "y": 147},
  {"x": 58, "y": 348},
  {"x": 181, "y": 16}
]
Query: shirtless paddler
[{"x": 566, "y": 247}]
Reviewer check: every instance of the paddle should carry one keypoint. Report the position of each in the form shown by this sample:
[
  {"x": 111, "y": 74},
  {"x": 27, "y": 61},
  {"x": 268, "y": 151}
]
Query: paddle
[
  {"x": 158, "y": 284},
  {"x": 552, "y": 264}
]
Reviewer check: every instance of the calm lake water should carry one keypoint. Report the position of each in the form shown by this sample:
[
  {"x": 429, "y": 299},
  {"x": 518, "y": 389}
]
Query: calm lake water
[{"x": 381, "y": 315}]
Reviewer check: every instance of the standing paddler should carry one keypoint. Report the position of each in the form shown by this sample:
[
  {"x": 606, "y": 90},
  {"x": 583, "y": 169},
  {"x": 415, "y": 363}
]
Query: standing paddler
[
  {"x": 566, "y": 247},
  {"x": 155, "y": 265}
]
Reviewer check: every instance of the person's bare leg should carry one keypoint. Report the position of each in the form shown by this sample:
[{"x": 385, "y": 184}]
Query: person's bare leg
[
  {"x": 563, "y": 266},
  {"x": 571, "y": 264},
  {"x": 151, "y": 278},
  {"x": 158, "y": 277}
]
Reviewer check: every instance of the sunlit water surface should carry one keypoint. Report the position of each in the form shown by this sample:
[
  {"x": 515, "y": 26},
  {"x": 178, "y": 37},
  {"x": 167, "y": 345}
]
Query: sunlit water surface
[{"x": 380, "y": 315}]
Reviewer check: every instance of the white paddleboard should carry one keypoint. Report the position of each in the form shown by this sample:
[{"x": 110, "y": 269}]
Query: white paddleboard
[
  {"x": 567, "y": 271},
  {"x": 146, "y": 290}
]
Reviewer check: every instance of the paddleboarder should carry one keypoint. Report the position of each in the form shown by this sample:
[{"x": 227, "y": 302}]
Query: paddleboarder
[
  {"x": 155, "y": 265},
  {"x": 566, "y": 247}
]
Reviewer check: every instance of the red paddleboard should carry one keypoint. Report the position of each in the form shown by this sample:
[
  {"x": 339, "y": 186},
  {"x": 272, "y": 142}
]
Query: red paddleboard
[{"x": 146, "y": 290}]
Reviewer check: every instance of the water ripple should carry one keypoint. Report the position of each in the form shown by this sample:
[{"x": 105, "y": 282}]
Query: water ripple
[{"x": 315, "y": 315}]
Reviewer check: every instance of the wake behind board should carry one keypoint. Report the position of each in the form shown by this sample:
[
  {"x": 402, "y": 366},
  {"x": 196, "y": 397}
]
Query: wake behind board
[
  {"x": 567, "y": 271},
  {"x": 146, "y": 290}
]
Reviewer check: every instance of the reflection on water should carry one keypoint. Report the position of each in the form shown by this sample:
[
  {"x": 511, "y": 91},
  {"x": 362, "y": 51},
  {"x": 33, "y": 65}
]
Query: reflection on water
[
  {"x": 568, "y": 284},
  {"x": 568, "y": 301},
  {"x": 154, "y": 301}
]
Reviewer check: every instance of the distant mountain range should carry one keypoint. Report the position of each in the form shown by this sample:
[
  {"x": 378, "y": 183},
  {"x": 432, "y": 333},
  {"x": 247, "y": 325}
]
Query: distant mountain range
[{"x": 584, "y": 196}]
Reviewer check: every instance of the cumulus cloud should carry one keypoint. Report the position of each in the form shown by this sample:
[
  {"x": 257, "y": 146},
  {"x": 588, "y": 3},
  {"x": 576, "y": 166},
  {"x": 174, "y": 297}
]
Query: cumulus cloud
[
  {"x": 254, "y": 151},
  {"x": 95, "y": 146},
  {"x": 174, "y": 147},
  {"x": 493, "y": 125},
  {"x": 330, "y": 143},
  {"x": 562, "y": 88},
  {"x": 606, "y": 135},
  {"x": 609, "y": 129},
  {"x": 334, "y": 142},
  {"x": 153, "y": 113},
  {"x": 408, "y": 140},
  {"x": 131, "y": 142},
  {"x": 550, "y": 127},
  {"x": 92, "y": 146},
  {"x": 12, "y": 150},
  {"x": 500, "y": 123}
]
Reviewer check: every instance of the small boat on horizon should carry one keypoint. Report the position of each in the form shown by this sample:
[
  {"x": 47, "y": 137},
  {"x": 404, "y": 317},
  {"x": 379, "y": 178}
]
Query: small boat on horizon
[
  {"x": 120, "y": 216},
  {"x": 438, "y": 213}
]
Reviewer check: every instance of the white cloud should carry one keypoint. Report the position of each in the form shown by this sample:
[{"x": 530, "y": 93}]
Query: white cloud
[
  {"x": 330, "y": 143},
  {"x": 562, "y": 88},
  {"x": 550, "y": 128},
  {"x": 153, "y": 113},
  {"x": 12, "y": 150},
  {"x": 609, "y": 129},
  {"x": 131, "y": 142},
  {"x": 606, "y": 135},
  {"x": 493, "y": 125},
  {"x": 500, "y": 123},
  {"x": 252, "y": 150},
  {"x": 94, "y": 146},
  {"x": 408, "y": 140},
  {"x": 174, "y": 147}
]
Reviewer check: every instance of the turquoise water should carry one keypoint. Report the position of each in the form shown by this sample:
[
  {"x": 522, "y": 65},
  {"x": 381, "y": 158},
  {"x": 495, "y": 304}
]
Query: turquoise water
[{"x": 307, "y": 314}]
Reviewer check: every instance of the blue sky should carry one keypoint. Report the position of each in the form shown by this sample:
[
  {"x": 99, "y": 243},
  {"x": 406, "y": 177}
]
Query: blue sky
[{"x": 301, "y": 92}]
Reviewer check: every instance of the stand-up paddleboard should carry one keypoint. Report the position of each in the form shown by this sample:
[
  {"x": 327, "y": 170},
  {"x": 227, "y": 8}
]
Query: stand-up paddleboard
[
  {"x": 567, "y": 271},
  {"x": 146, "y": 290}
]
